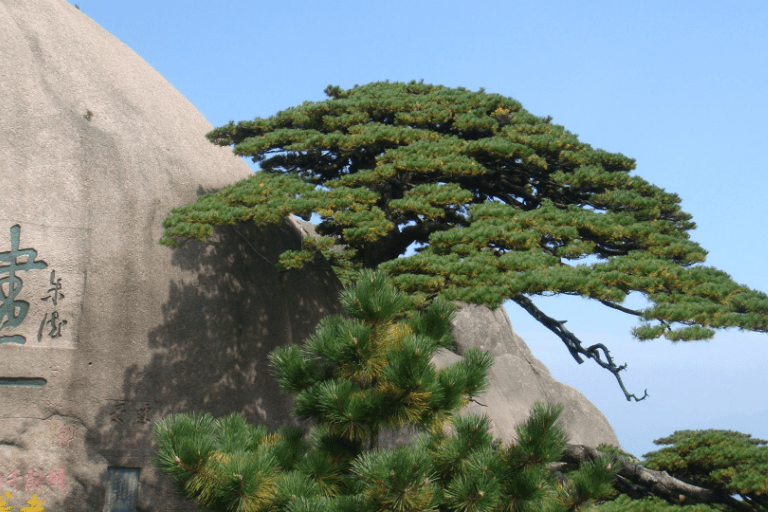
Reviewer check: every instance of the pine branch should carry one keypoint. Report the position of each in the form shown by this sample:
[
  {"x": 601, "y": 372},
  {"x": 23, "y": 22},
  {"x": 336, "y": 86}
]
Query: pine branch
[
  {"x": 638, "y": 481},
  {"x": 574, "y": 344},
  {"x": 620, "y": 308}
]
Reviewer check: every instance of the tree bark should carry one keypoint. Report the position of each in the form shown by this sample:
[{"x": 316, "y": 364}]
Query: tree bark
[{"x": 637, "y": 482}]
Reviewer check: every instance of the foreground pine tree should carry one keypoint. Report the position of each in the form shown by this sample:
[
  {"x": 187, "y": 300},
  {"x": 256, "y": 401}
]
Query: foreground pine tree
[{"x": 354, "y": 377}]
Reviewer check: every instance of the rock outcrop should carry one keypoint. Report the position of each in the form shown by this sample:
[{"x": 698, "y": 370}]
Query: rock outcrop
[
  {"x": 102, "y": 330},
  {"x": 518, "y": 380}
]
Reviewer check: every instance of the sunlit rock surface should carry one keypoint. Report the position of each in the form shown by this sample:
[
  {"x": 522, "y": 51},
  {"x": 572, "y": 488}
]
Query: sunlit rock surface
[{"x": 102, "y": 330}]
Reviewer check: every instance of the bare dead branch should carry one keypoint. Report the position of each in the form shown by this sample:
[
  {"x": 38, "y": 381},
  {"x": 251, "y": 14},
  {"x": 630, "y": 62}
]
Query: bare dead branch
[{"x": 574, "y": 344}]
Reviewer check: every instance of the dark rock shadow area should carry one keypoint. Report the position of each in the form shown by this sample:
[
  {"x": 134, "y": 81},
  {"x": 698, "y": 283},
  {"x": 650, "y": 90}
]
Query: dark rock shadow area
[{"x": 210, "y": 353}]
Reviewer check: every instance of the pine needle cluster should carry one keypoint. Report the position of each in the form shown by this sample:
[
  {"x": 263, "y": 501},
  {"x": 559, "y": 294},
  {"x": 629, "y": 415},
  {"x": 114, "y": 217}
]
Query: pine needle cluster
[{"x": 357, "y": 375}]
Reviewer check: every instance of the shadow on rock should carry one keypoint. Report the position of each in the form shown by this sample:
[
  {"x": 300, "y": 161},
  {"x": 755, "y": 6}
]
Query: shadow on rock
[{"x": 224, "y": 315}]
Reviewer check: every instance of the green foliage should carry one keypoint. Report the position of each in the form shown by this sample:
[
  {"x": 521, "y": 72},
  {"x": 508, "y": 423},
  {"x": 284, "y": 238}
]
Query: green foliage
[
  {"x": 370, "y": 371},
  {"x": 654, "y": 504},
  {"x": 500, "y": 203},
  {"x": 353, "y": 377},
  {"x": 721, "y": 460}
]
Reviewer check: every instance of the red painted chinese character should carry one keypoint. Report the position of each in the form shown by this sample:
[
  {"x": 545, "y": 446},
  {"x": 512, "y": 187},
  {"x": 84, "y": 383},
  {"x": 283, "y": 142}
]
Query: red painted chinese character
[
  {"x": 66, "y": 435},
  {"x": 15, "y": 477},
  {"x": 52, "y": 479},
  {"x": 32, "y": 481}
]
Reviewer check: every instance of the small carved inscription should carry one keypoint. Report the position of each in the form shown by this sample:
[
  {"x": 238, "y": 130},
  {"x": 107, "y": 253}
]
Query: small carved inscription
[
  {"x": 54, "y": 293},
  {"x": 55, "y": 323},
  {"x": 122, "y": 490},
  {"x": 142, "y": 413},
  {"x": 66, "y": 436},
  {"x": 118, "y": 410},
  {"x": 63, "y": 433},
  {"x": 121, "y": 412}
]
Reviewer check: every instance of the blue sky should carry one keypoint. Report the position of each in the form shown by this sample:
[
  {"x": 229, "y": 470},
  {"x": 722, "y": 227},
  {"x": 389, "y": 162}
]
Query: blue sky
[{"x": 679, "y": 86}]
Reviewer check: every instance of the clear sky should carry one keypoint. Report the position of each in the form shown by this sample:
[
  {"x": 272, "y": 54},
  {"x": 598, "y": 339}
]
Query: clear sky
[{"x": 679, "y": 86}]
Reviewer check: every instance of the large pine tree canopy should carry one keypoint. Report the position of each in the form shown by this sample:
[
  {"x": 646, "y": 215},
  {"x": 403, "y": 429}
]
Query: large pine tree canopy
[{"x": 497, "y": 203}]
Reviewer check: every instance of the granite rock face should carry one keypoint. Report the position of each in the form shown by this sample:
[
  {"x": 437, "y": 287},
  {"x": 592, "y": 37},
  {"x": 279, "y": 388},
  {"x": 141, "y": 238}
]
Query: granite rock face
[
  {"x": 517, "y": 381},
  {"x": 102, "y": 330}
]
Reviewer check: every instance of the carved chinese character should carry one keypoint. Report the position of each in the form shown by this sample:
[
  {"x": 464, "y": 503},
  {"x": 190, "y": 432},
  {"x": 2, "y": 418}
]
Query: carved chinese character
[
  {"x": 54, "y": 293},
  {"x": 142, "y": 413},
  {"x": 66, "y": 435},
  {"x": 55, "y": 324},
  {"x": 14, "y": 478},
  {"x": 53, "y": 479},
  {"x": 117, "y": 412},
  {"x": 13, "y": 311},
  {"x": 32, "y": 481}
]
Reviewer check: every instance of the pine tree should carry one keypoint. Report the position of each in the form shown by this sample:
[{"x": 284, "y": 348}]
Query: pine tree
[
  {"x": 499, "y": 204},
  {"x": 729, "y": 463},
  {"x": 703, "y": 470},
  {"x": 355, "y": 376}
]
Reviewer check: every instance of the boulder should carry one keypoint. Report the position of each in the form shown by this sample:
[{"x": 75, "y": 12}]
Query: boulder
[
  {"x": 517, "y": 381},
  {"x": 102, "y": 330}
]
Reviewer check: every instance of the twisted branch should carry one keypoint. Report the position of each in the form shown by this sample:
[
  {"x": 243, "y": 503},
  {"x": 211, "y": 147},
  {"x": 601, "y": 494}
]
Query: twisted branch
[
  {"x": 638, "y": 481},
  {"x": 574, "y": 344}
]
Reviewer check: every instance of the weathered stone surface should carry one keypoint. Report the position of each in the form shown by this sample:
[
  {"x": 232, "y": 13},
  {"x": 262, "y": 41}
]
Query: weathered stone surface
[
  {"x": 95, "y": 149},
  {"x": 518, "y": 380}
]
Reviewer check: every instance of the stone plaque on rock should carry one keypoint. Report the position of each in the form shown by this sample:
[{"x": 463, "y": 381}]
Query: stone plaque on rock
[{"x": 122, "y": 490}]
